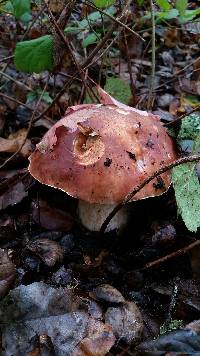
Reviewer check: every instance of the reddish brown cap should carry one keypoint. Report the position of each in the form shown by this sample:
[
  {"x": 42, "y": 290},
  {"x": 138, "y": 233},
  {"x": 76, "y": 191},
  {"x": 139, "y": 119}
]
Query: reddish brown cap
[{"x": 99, "y": 153}]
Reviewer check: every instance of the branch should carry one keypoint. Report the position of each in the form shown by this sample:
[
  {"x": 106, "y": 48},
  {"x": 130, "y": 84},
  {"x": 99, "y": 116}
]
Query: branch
[
  {"x": 179, "y": 252},
  {"x": 153, "y": 57},
  {"x": 182, "y": 116},
  {"x": 130, "y": 195},
  {"x": 114, "y": 19},
  {"x": 28, "y": 130},
  {"x": 87, "y": 61}
]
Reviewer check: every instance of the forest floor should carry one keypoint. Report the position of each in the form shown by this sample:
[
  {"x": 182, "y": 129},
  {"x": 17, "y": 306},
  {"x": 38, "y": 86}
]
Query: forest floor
[{"x": 54, "y": 274}]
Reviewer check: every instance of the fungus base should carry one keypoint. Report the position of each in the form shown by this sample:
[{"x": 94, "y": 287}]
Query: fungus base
[{"x": 93, "y": 215}]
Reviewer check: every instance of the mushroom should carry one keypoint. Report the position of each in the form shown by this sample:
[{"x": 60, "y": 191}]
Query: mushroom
[{"x": 97, "y": 153}]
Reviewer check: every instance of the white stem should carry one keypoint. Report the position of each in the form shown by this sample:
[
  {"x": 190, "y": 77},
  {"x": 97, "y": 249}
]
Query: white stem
[{"x": 93, "y": 215}]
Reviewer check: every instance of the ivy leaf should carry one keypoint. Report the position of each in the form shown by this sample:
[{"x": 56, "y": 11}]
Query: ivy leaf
[
  {"x": 167, "y": 15},
  {"x": 187, "y": 192},
  {"x": 181, "y": 6},
  {"x": 91, "y": 38},
  {"x": 35, "y": 55},
  {"x": 103, "y": 3},
  {"x": 21, "y": 7},
  {"x": 119, "y": 89},
  {"x": 164, "y": 4}
]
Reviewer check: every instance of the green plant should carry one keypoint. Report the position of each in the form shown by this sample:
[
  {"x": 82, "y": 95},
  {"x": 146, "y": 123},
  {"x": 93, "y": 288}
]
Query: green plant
[
  {"x": 27, "y": 53},
  {"x": 177, "y": 11},
  {"x": 185, "y": 179},
  {"x": 21, "y": 9},
  {"x": 37, "y": 93},
  {"x": 103, "y": 3}
]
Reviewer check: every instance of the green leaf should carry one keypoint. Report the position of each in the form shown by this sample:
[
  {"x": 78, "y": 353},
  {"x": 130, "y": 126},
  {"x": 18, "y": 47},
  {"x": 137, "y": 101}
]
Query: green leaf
[
  {"x": 187, "y": 192},
  {"x": 90, "y": 39},
  {"x": 140, "y": 2},
  {"x": 94, "y": 17},
  {"x": 36, "y": 94},
  {"x": 119, "y": 89},
  {"x": 21, "y": 7},
  {"x": 164, "y": 4},
  {"x": 181, "y": 6},
  {"x": 189, "y": 15},
  {"x": 35, "y": 55},
  {"x": 167, "y": 15},
  {"x": 103, "y": 3},
  {"x": 190, "y": 127}
]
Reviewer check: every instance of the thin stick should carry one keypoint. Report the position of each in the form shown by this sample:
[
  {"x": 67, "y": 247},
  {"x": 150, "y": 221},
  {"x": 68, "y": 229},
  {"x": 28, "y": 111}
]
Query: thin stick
[
  {"x": 114, "y": 19},
  {"x": 25, "y": 105},
  {"x": 15, "y": 81},
  {"x": 28, "y": 130},
  {"x": 153, "y": 58},
  {"x": 182, "y": 116},
  {"x": 130, "y": 195},
  {"x": 179, "y": 252},
  {"x": 87, "y": 61}
]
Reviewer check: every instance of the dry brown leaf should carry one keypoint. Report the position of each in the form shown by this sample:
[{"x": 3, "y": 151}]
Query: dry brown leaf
[
  {"x": 98, "y": 342},
  {"x": 14, "y": 142},
  {"x": 13, "y": 195},
  {"x": 7, "y": 273},
  {"x": 57, "y": 6},
  {"x": 171, "y": 37},
  {"x": 49, "y": 251},
  {"x": 51, "y": 218},
  {"x": 108, "y": 294},
  {"x": 126, "y": 321}
]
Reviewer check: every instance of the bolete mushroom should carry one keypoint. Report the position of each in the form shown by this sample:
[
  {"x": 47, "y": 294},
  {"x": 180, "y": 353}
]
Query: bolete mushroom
[{"x": 97, "y": 153}]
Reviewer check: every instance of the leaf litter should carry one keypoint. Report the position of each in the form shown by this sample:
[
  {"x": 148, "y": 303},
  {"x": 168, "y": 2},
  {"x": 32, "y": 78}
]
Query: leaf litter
[{"x": 64, "y": 254}]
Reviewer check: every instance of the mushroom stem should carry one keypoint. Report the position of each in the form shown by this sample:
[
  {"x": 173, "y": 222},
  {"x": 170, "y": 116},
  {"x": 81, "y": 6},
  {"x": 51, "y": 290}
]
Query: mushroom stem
[{"x": 93, "y": 215}]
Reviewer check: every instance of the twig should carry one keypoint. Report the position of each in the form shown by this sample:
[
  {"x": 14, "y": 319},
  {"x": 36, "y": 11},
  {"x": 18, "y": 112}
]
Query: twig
[
  {"x": 6, "y": 58},
  {"x": 133, "y": 88},
  {"x": 86, "y": 62},
  {"x": 33, "y": 22},
  {"x": 130, "y": 195},
  {"x": 114, "y": 19},
  {"x": 182, "y": 116},
  {"x": 28, "y": 130},
  {"x": 15, "y": 81},
  {"x": 179, "y": 252},
  {"x": 25, "y": 105},
  {"x": 65, "y": 41},
  {"x": 177, "y": 74},
  {"x": 153, "y": 58}
]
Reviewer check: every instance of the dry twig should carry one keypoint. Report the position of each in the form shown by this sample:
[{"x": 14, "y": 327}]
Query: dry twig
[
  {"x": 28, "y": 130},
  {"x": 179, "y": 252},
  {"x": 153, "y": 57}
]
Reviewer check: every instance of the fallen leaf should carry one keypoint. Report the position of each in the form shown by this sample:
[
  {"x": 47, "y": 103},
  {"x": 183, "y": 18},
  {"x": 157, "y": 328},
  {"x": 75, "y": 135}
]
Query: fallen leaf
[
  {"x": 49, "y": 251},
  {"x": 126, "y": 321},
  {"x": 108, "y": 294},
  {"x": 7, "y": 273},
  {"x": 14, "y": 142},
  {"x": 185, "y": 341},
  {"x": 98, "y": 342},
  {"x": 171, "y": 37},
  {"x": 38, "y": 309},
  {"x": 14, "y": 195},
  {"x": 51, "y": 218}
]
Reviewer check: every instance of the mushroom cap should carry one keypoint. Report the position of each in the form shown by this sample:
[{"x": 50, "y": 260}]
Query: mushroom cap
[{"x": 99, "y": 153}]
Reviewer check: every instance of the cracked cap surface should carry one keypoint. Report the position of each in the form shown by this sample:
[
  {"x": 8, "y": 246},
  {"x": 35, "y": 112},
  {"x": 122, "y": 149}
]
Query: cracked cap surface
[{"x": 99, "y": 153}]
